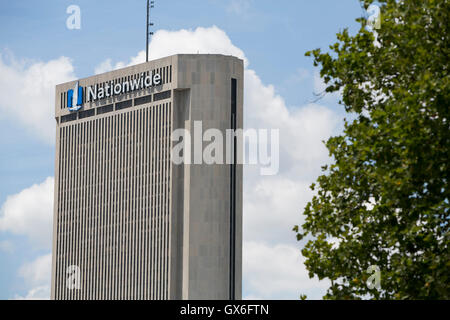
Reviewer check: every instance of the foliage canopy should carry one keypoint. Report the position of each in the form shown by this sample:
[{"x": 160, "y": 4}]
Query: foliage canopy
[{"x": 385, "y": 199}]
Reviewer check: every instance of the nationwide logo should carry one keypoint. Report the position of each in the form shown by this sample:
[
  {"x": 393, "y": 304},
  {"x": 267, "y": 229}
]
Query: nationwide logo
[
  {"x": 110, "y": 89},
  {"x": 75, "y": 98}
]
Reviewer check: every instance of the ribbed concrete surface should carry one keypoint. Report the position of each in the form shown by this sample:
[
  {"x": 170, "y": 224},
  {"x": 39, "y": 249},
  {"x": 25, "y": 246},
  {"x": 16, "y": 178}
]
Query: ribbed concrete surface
[{"x": 136, "y": 225}]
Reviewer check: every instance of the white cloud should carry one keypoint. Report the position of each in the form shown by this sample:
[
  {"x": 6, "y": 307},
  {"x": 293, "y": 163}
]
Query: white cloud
[
  {"x": 37, "y": 293},
  {"x": 27, "y": 92},
  {"x": 38, "y": 271},
  {"x": 272, "y": 206},
  {"x": 302, "y": 129},
  {"x": 30, "y": 213},
  {"x": 165, "y": 43},
  {"x": 105, "y": 66},
  {"x": 37, "y": 277},
  {"x": 277, "y": 272}
]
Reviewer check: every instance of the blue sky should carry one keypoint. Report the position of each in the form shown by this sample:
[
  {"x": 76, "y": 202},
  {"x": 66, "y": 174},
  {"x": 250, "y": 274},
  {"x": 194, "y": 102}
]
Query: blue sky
[{"x": 274, "y": 35}]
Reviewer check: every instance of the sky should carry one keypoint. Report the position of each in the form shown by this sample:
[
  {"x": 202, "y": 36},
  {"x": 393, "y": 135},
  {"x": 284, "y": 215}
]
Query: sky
[{"x": 38, "y": 51}]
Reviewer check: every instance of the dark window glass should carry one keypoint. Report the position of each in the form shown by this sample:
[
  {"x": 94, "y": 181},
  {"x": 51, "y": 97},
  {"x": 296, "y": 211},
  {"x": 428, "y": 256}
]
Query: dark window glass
[
  {"x": 124, "y": 104},
  {"x": 86, "y": 113},
  {"x": 142, "y": 100},
  {"x": 162, "y": 95},
  {"x": 69, "y": 117},
  {"x": 105, "y": 109}
]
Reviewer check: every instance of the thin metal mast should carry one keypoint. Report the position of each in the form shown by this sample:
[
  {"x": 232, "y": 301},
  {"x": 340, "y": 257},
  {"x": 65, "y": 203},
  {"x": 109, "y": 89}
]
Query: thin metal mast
[{"x": 150, "y": 4}]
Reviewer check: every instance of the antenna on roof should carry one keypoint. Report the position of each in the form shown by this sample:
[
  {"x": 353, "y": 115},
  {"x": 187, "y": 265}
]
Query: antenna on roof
[{"x": 150, "y": 4}]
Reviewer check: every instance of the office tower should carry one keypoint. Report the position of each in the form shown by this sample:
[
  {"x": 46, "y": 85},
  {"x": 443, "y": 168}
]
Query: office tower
[{"x": 129, "y": 223}]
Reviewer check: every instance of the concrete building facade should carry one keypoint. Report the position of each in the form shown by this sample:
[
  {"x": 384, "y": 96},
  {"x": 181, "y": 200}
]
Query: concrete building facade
[{"x": 128, "y": 222}]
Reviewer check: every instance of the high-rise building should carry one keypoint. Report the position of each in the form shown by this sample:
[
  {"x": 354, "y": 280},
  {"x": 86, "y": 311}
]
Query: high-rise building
[{"x": 129, "y": 223}]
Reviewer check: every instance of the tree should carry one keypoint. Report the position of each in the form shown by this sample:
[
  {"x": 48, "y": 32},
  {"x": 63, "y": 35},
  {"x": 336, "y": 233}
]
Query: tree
[{"x": 384, "y": 201}]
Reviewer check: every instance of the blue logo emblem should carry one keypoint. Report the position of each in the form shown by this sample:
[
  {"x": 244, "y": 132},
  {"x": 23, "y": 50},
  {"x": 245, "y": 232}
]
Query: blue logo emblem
[{"x": 75, "y": 98}]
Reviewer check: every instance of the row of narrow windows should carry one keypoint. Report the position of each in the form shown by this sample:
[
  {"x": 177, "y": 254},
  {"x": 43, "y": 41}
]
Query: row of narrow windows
[{"x": 119, "y": 240}]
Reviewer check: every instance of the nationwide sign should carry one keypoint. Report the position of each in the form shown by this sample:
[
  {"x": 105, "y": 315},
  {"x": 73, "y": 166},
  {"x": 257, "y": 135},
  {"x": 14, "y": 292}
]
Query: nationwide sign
[{"x": 75, "y": 96}]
